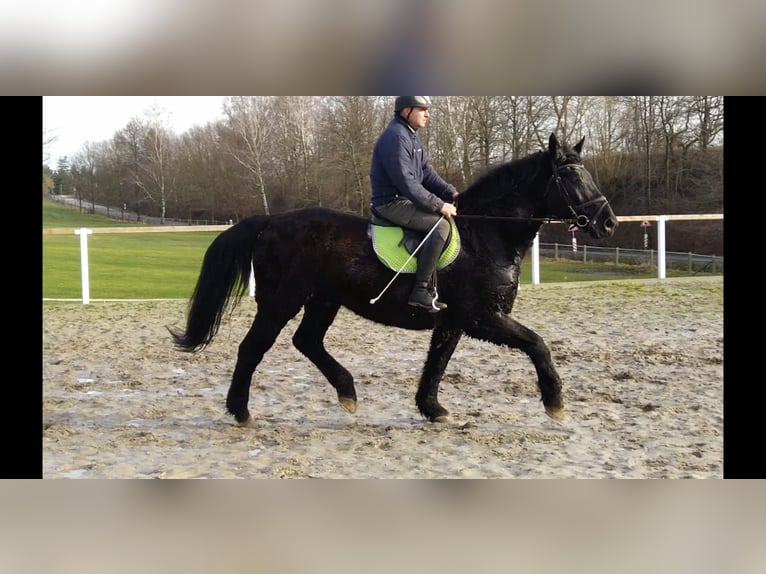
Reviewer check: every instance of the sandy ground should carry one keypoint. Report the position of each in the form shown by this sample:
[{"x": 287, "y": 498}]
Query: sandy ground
[{"x": 641, "y": 364}]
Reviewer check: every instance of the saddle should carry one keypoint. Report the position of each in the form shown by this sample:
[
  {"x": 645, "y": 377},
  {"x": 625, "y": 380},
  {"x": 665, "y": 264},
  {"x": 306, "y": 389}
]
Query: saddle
[{"x": 394, "y": 244}]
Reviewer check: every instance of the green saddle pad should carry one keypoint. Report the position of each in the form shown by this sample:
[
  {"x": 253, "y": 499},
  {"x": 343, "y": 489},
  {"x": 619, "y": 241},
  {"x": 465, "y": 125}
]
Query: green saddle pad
[{"x": 388, "y": 245}]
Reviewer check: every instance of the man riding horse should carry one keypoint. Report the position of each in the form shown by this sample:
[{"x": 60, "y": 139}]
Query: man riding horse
[{"x": 407, "y": 191}]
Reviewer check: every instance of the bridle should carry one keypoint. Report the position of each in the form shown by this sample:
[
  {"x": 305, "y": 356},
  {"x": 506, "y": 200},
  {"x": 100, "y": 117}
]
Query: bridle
[{"x": 580, "y": 220}]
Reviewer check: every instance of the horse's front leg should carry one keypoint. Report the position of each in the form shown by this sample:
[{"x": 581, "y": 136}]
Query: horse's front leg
[
  {"x": 443, "y": 343},
  {"x": 502, "y": 330}
]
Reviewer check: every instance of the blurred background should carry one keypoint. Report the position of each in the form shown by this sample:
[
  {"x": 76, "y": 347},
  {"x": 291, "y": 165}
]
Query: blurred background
[
  {"x": 382, "y": 527},
  {"x": 441, "y": 46}
]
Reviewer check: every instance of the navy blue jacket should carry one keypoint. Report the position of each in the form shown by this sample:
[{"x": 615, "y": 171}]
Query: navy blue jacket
[{"x": 400, "y": 167}]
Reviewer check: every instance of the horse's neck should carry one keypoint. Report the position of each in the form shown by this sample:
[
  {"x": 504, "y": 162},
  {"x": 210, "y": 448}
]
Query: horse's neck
[
  {"x": 512, "y": 218},
  {"x": 519, "y": 237},
  {"x": 504, "y": 242}
]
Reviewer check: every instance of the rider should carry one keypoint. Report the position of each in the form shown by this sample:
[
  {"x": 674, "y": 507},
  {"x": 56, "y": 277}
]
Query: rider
[{"x": 407, "y": 191}]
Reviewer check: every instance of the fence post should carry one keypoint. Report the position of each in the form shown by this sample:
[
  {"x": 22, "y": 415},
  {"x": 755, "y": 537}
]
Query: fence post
[
  {"x": 83, "y": 232},
  {"x": 661, "y": 246},
  {"x": 536, "y": 260}
]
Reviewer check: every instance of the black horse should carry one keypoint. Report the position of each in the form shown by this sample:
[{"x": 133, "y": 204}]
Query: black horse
[{"x": 319, "y": 260}]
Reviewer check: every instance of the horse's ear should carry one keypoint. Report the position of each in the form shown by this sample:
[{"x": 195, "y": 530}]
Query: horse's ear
[
  {"x": 553, "y": 146},
  {"x": 578, "y": 146}
]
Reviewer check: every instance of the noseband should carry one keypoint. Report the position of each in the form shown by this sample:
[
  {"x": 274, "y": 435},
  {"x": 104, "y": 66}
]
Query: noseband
[{"x": 581, "y": 220}]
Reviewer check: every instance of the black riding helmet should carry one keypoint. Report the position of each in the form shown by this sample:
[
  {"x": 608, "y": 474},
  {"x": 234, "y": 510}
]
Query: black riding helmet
[{"x": 411, "y": 102}]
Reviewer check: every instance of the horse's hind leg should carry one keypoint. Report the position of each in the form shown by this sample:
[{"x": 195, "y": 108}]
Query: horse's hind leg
[
  {"x": 443, "y": 343},
  {"x": 318, "y": 315},
  {"x": 259, "y": 339}
]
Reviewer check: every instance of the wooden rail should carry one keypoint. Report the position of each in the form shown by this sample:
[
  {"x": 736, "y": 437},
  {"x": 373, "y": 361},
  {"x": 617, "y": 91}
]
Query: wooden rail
[
  {"x": 148, "y": 229},
  {"x": 625, "y": 218}
]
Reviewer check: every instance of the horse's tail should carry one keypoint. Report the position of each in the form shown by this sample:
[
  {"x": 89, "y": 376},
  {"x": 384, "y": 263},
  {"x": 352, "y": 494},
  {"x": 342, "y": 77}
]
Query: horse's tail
[{"x": 222, "y": 282}]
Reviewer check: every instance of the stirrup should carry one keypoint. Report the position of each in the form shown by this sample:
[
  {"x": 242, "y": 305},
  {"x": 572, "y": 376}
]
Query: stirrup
[
  {"x": 435, "y": 303},
  {"x": 426, "y": 300}
]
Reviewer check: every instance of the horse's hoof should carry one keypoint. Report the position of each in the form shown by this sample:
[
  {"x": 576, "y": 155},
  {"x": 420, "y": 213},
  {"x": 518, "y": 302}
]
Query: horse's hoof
[
  {"x": 349, "y": 405},
  {"x": 248, "y": 423},
  {"x": 441, "y": 419},
  {"x": 556, "y": 413}
]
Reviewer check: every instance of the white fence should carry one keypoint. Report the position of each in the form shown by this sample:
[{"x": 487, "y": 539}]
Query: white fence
[{"x": 660, "y": 220}]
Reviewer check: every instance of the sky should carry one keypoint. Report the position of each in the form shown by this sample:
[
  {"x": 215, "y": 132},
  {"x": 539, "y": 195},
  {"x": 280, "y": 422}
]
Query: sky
[{"x": 74, "y": 120}]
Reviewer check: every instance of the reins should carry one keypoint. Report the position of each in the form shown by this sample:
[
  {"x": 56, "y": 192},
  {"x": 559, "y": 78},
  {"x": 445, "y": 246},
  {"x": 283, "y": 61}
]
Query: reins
[
  {"x": 580, "y": 221},
  {"x": 542, "y": 219}
]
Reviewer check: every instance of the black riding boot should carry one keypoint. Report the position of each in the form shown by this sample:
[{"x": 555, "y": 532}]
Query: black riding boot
[{"x": 427, "y": 258}]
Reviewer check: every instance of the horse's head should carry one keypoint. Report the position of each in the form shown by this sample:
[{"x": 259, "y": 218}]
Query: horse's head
[{"x": 572, "y": 193}]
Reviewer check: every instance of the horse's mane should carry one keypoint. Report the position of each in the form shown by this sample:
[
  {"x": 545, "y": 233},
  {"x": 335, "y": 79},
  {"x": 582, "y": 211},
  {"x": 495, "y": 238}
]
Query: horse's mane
[
  {"x": 508, "y": 188},
  {"x": 500, "y": 188}
]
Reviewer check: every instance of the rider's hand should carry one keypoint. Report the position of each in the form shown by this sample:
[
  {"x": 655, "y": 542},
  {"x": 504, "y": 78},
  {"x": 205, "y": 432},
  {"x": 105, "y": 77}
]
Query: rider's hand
[{"x": 448, "y": 210}]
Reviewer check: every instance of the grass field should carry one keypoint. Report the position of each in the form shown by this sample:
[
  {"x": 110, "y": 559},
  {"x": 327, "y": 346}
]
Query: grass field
[
  {"x": 166, "y": 265},
  {"x": 60, "y": 215},
  {"x": 130, "y": 266}
]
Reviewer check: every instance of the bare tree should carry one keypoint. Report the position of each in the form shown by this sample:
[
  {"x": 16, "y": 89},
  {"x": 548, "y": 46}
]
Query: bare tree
[
  {"x": 570, "y": 112},
  {"x": 248, "y": 118},
  {"x": 483, "y": 123},
  {"x": 645, "y": 129},
  {"x": 706, "y": 113},
  {"x": 128, "y": 147},
  {"x": 295, "y": 120},
  {"x": 604, "y": 130},
  {"x": 204, "y": 181},
  {"x": 48, "y": 138},
  {"x": 515, "y": 126},
  {"x": 351, "y": 126},
  {"x": 444, "y": 146},
  {"x": 156, "y": 178},
  {"x": 109, "y": 179},
  {"x": 450, "y": 138},
  {"x": 85, "y": 163},
  {"x": 672, "y": 128}
]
